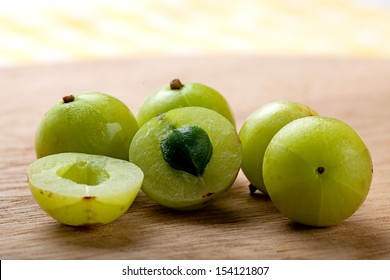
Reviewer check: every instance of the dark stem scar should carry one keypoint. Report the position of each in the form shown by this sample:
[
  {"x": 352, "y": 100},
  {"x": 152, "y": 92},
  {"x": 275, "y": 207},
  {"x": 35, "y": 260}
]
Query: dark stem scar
[
  {"x": 321, "y": 170},
  {"x": 68, "y": 98},
  {"x": 176, "y": 84}
]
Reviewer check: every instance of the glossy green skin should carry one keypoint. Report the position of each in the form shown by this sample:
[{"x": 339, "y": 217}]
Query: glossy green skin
[
  {"x": 291, "y": 171},
  {"x": 178, "y": 189},
  {"x": 94, "y": 123},
  {"x": 191, "y": 94},
  {"x": 73, "y": 198},
  {"x": 258, "y": 130}
]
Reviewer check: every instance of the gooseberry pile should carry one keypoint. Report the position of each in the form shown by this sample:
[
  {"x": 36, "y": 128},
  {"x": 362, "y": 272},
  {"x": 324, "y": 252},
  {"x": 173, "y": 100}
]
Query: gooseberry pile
[{"x": 184, "y": 152}]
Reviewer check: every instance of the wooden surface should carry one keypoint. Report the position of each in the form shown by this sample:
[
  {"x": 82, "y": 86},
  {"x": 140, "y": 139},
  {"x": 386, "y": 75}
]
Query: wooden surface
[{"x": 238, "y": 226}]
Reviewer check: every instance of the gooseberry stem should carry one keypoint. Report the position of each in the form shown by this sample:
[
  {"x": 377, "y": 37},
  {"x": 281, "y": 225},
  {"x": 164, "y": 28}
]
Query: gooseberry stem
[
  {"x": 176, "y": 84},
  {"x": 68, "y": 98}
]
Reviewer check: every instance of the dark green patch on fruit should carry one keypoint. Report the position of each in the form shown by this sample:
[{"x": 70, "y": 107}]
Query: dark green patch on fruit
[{"x": 187, "y": 148}]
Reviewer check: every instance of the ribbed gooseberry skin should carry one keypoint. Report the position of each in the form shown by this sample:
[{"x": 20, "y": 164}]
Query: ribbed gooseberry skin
[{"x": 317, "y": 171}]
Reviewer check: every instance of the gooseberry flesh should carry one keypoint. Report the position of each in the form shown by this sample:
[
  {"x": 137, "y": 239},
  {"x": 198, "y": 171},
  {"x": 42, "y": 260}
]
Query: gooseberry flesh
[
  {"x": 190, "y": 156},
  {"x": 81, "y": 189}
]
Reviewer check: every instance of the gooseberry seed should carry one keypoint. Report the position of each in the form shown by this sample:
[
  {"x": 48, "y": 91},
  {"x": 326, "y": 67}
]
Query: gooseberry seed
[{"x": 187, "y": 148}]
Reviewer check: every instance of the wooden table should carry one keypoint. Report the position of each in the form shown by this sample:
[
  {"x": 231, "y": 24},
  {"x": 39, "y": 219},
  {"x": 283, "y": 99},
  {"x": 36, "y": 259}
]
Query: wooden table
[{"x": 238, "y": 226}]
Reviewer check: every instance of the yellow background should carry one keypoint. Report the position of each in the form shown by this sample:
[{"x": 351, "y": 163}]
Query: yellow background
[{"x": 51, "y": 31}]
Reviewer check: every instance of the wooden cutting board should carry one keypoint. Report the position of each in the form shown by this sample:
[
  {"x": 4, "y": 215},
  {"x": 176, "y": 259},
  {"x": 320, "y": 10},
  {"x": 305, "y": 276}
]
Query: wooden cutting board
[{"x": 239, "y": 225}]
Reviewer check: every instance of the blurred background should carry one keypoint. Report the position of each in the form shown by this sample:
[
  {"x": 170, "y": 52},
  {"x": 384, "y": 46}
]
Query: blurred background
[{"x": 44, "y": 31}]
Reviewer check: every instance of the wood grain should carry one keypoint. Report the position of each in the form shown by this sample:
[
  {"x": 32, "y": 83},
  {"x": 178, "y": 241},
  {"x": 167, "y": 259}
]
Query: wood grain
[{"x": 238, "y": 226}]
